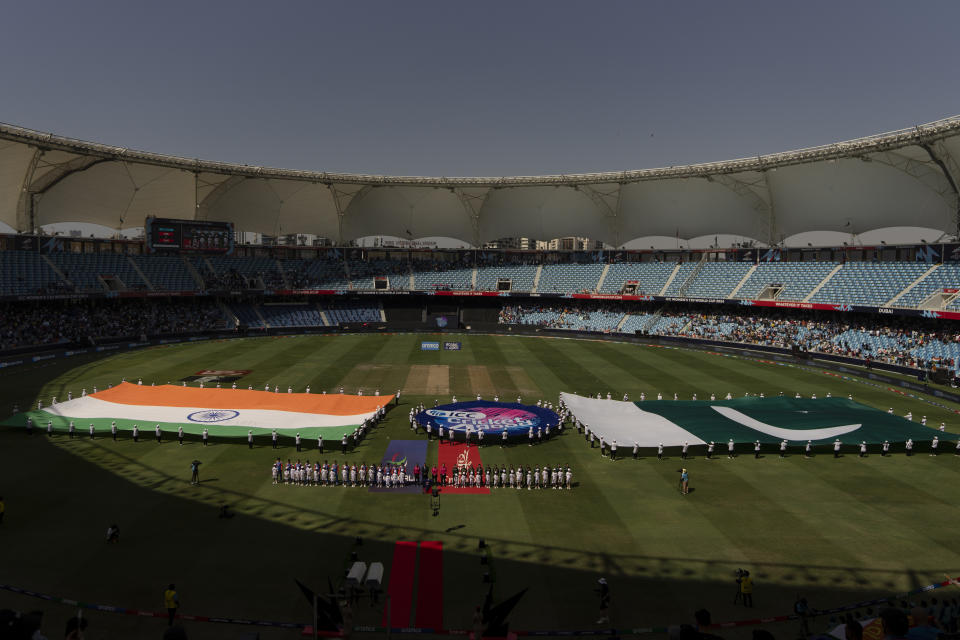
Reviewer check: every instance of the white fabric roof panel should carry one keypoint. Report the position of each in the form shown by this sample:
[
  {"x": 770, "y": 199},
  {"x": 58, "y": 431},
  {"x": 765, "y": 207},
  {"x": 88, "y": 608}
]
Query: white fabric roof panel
[
  {"x": 395, "y": 211},
  {"x": 828, "y": 188},
  {"x": 14, "y": 163},
  {"x": 118, "y": 195},
  {"x": 273, "y": 206}
]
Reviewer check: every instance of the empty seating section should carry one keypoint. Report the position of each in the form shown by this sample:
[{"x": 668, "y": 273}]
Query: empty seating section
[
  {"x": 291, "y": 315},
  {"x": 650, "y": 276},
  {"x": 635, "y": 322},
  {"x": 84, "y": 270},
  {"x": 25, "y": 272},
  {"x": 717, "y": 279},
  {"x": 869, "y": 283},
  {"x": 426, "y": 280},
  {"x": 684, "y": 272},
  {"x": 247, "y": 314},
  {"x": 569, "y": 278},
  {"x": 946, "y": 276},
  {"x": 798, "y": 279},
  {"x": 669, "y": 325},
  {"x": 166, "y": 273},
  {"x": 521, "y": 275},
  {"x": 342, "y": 313},
  {"x": 262, "y": 268},
  {"x": 315, "y": 274},
  {"x": 864, "y": 283},
  {"x": 362, "y": 273}
]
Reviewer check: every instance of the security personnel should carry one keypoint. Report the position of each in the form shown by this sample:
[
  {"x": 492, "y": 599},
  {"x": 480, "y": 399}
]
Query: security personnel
[
  {"x": 171, "y": 601},
  {"x": 746, "y": 589}
]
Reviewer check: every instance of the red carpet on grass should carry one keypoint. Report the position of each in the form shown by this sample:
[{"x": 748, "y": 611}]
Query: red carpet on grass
[
  {"x": 430, "y": 586},
  {"x": 454, "y": 455},
  {"x": 401, "y": 584}
]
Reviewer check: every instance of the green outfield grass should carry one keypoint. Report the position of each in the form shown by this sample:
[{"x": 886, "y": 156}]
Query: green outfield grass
[{"x": 835, "y": 531}]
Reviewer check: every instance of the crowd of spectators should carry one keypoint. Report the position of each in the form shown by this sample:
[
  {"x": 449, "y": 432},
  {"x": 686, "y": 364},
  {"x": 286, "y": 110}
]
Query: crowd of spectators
[
  {"x": 231, "y": 280},
  {"x": 52, "y": 323},
  {"x": 597, "y": 316},
  {"x": 839, "y": 334}
]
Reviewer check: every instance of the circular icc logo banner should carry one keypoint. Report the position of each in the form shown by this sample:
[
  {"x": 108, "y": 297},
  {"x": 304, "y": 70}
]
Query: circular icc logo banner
[
  {"x": 213, "y": 415},
  {"x": 489, "y": 417}
]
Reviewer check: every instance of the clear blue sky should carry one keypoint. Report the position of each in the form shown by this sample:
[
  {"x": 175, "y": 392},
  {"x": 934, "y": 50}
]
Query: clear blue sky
[{"x": 480, "y": 88}]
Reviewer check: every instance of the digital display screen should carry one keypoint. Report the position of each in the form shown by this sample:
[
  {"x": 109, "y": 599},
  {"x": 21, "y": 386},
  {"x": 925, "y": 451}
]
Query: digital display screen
[{"x": 193, "y": 236}]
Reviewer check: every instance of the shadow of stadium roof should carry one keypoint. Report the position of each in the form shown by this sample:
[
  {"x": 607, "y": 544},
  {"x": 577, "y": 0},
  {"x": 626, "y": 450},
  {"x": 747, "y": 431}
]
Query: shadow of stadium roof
[{"x": 902, "y": 178}]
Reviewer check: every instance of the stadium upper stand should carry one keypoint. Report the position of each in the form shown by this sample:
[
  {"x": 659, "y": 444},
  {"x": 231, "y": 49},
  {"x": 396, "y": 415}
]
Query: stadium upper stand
[{"x": 873, "y": 283}]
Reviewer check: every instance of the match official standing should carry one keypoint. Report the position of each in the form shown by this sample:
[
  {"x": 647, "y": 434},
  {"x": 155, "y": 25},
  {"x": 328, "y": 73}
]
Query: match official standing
[
  {"x": 298, "y": 441},
  {"x": 273, "y": 440},
  {"x": 113, "y": 430},
  {"x": 171, "y": 601},
  {"x": 250, "y": 440},
  {"x": 206, "y": 435},
  {"x": 746, "y": 589}
]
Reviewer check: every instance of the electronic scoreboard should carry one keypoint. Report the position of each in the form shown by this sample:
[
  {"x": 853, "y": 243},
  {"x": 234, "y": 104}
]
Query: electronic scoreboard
[{"x": 196, "y": 236}]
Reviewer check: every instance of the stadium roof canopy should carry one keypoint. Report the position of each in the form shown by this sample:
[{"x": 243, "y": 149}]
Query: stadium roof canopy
[{"x": 903, "y": 178}]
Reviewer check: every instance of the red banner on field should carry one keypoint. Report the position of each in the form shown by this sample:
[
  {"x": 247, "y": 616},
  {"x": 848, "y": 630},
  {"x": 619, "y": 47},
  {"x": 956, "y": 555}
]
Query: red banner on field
[{"x": 459, "y": 455}]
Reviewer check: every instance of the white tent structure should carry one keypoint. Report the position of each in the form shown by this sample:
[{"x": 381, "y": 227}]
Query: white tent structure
[{"x": 863, "y": 185}]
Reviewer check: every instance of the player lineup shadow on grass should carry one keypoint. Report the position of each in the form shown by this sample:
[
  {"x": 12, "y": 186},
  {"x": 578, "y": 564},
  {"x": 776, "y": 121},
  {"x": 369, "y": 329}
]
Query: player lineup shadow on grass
[{"x": 612, "y": 564}]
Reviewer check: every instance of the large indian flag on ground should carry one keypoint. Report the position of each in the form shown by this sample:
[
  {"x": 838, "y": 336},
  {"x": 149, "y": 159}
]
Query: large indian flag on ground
[
  {"x": 225, "y": 412},
  {"x": 768, "y": 420}
]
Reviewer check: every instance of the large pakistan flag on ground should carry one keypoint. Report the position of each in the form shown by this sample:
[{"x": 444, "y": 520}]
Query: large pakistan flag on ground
[
  {"x": 768, "y": 420},
  {"x": 224, "y": 412}
]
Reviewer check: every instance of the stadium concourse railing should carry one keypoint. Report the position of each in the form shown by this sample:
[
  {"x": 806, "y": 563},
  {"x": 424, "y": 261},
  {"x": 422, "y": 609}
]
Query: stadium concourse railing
[{"x": 870, "y": 369}]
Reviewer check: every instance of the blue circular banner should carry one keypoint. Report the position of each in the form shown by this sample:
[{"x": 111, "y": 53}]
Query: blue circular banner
[{"x": 490, "y": 417}]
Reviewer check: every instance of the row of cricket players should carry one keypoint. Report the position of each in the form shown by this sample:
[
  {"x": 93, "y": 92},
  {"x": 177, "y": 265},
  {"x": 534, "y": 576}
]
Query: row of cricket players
[
  {"x": 731, "y": 447},
  {"x": 393, "y": 476}
]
